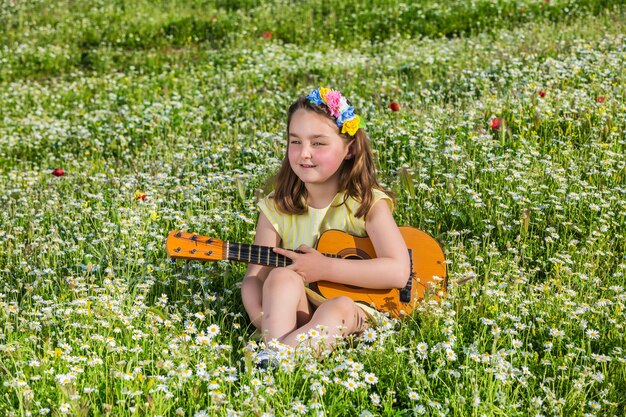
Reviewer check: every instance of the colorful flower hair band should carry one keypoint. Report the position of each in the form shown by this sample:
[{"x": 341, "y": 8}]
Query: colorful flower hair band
[{"x": 339, "y": 108}]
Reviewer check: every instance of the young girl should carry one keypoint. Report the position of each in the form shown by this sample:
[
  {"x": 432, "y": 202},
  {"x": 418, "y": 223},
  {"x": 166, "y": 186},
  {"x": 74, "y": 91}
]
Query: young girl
[{"x": 327, "y": 181}]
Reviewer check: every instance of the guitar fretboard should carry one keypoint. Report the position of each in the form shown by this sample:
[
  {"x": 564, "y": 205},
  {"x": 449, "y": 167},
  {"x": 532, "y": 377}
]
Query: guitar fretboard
[{"x": 260, "y": 255}]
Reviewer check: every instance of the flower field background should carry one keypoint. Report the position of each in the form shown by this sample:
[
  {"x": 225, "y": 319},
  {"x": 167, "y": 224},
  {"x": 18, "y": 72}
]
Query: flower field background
[{"x": 499, "y": 125}]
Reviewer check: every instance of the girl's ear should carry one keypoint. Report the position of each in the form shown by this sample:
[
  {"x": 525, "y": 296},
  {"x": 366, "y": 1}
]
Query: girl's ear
[{"x": 350, "y": 153}]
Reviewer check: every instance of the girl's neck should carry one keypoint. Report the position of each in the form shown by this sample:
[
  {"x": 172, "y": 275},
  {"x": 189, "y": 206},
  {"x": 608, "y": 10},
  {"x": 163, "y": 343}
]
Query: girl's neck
[{"x": 320, "y": 196}]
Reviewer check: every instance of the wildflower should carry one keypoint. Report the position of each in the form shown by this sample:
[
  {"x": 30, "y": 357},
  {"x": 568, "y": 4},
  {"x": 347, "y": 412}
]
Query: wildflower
[
  {"x": 541, "y": 93},
  {"x": 370, "y": 378},
  {"x": 139, "y": 195},
  {"x": 394, "y": 106},
  {"x": 356, "y": 366},
  {"x": 414, "y": 396},
  {"x": 450, "y": 355},
  {"x": 300, "y": 408},
  {"x": 65, "y": 379},
  {"x": 600, "y": 358},
  {"x": 213, "y": 330},
  {"x": 435, "y": 404},
  {"x": 351, "y": 384},
  {"x": 600, "y": 99},
  {"x": 58, "y": 172},
  {"x": 496, "y": 123},
  {"x": 595, "y": 405},
  {"x": 267, "y": 35},
  {"x": 369, "y": 335},
  {"x": 422, "y": 350},
  {"x": 593, "y": 334},
  {"x": 598, "y": 377},
  {"x": 556, "y": 332}
]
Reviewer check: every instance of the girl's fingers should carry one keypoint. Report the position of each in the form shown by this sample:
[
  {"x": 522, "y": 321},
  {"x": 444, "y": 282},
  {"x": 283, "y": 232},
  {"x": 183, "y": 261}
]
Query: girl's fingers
[{"x": 288, "y": 253}]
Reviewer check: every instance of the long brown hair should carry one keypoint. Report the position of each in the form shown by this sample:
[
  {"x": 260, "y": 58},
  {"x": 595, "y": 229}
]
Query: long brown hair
[{"x": 357, "y": 175}]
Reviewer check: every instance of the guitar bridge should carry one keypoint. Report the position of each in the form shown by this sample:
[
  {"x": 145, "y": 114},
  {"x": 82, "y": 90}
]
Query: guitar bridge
[{"x": 405, "y": 293}]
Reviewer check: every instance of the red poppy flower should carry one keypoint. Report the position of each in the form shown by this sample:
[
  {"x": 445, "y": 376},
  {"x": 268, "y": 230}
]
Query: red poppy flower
[
  {"x": 394, "y": 106},
  {"x": 496, "y": 123},
  {"x": 541, "y": 93},
  {"x": 58, "y": 172},
  {"x": 267, "y": 35},
  {"x": 600, "y": 99}
]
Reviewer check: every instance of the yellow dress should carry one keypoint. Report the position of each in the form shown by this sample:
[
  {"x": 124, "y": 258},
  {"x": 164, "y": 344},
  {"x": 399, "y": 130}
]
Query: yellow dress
[{"x": 297, "y": 229}]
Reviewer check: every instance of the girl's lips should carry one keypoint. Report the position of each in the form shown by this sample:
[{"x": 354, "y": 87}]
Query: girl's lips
[{"x": 307, "y": 166}]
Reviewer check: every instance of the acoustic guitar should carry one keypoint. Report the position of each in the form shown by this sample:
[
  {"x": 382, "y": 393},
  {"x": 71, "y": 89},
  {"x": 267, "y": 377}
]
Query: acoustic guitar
[{"x": 428, "y": 268}]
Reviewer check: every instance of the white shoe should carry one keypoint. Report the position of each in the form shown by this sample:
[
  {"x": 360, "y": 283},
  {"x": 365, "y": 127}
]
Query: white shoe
[{"x": 267, "y": 359}]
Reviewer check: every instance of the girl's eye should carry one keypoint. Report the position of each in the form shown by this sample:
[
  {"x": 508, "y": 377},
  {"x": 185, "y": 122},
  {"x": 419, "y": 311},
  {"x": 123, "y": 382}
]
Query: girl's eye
[
  {"x": 294, "y": 142},
  {"x": 318, "y": 144}
]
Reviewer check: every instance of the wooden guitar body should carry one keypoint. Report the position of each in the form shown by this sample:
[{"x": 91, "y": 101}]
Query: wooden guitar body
[{"x": 428, "y": 271}]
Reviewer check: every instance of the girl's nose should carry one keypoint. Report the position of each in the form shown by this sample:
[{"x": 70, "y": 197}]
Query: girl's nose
[{"x": 305, "y": 152}]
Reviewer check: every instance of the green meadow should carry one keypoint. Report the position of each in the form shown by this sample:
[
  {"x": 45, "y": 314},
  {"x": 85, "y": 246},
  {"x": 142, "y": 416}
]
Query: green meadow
[{"x": 122, "y": 120}]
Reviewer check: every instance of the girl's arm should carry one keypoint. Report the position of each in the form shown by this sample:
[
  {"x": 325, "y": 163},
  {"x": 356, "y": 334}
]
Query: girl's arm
[
  {"x": 252, "y": 285},
  {"x": 390, "y": 269}
]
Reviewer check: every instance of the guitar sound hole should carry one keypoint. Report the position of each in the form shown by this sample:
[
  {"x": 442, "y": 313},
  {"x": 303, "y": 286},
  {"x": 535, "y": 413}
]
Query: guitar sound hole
[{"x": 352, "y": 257}]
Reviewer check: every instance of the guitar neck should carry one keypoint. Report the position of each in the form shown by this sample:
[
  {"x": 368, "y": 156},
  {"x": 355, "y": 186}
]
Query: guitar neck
[
  {"x": 259, "y": 255},
  {"x": 190, "y": 246}
]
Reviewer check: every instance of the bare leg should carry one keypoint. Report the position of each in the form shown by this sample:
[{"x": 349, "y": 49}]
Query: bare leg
[
  {"x": 285, "y": 305},
  {"x": 339, "y": 316},
  {"x": 251, "y": 292}
]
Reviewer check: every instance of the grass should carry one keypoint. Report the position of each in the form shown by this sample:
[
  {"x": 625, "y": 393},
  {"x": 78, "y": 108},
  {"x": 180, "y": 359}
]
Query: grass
[{"x": 507, "y": 148}]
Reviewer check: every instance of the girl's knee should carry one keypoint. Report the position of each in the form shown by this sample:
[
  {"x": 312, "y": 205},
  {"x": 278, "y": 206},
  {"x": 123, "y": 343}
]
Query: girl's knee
[
  {"x": 281, "y": 279},
  {"x": 345, "y": 309}
]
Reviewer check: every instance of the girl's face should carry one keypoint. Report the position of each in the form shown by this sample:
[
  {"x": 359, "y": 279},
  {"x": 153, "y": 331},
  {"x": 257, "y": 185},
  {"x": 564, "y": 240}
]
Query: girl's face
[{"x": 316, "y": 150}]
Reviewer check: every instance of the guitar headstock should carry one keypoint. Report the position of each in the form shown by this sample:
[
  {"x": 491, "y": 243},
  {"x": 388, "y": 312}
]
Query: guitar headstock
[{"x": 185, "y": 245}]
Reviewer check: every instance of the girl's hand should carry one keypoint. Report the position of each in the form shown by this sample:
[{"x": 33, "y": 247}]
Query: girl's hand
[{"x": 310, "y": 264}]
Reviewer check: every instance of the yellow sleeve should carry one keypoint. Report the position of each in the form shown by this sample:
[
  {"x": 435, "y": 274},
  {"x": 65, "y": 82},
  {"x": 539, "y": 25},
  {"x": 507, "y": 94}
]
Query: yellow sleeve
[
  {"x": 378, "y": 195},
  {"x": 267, "y": 207}
]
